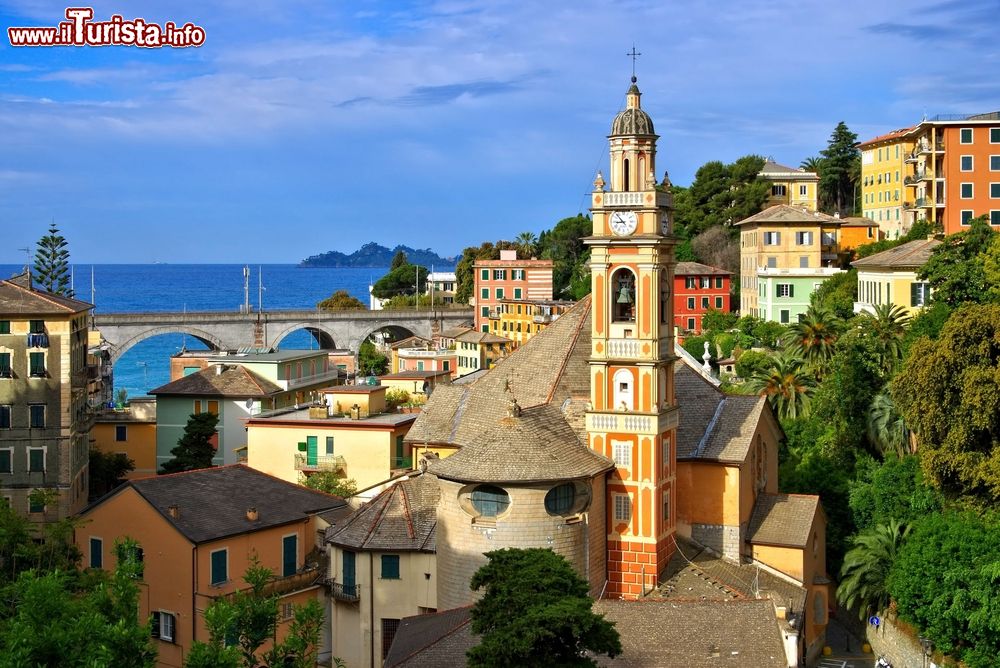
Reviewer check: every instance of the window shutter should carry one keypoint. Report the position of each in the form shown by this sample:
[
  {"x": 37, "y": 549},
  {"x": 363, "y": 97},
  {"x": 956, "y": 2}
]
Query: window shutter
[
  {"x": 777, "y": 290},
  {"x": 155, "y": 630},
  {"x": 791, "y": 290},
  {"x": 777, "y": 238},
  {"x": 914, "y": 294}
]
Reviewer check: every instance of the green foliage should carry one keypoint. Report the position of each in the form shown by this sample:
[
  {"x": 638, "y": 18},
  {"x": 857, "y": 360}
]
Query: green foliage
[
  {"x": 944, "y": 581},
  {"x": 788, "y": 384},
  {"x": 300, "y": 649},
  {"x": 991, "y": 269},
  {"x": 718, "y": 321},
  {"x": 331, "y": 483},
  {"x": 370, "y": 360},
  {"x": 865, "y": 573},
  {"x": 948, "y": 391},
  {"x": 721, "y": 195},
  {"x": 814, "y": 336},
  {"x": 465, "y": 280},
  {"x": 407, "y": 301},
  {"x": 20, "y": 551},
  {"x": 402, "y": 280},
  {"x": 837, "y": 294},
  {"x": 563, "y": 244},
  {"x": 887, "y": 430},
  {"x": 695, "y": 345},
  {"x": 536, "y": 612},
  {"x": 751, "y": 362},
  {"x": 891, "y": 490},
  {"x": 527, "y": 244},
  {"x": 398, "y": 260},
  {"x": 396, "y": 397},
  {"x": 718, "y": 247},
  {"x": 341, "y": 300},
  {"x": 956, "y": 270},
  {"x": 194, "y": 449},
  {"x": 107, "y": 470},
  {"x": 52, "y": 263},
  {"x": 841, "y": 166},
  {"x": 885, "y": 330},
  {"x": 919, "y": 230},
  {"x": 766, "y": 332},
  {"x": 928, "y": 322}
]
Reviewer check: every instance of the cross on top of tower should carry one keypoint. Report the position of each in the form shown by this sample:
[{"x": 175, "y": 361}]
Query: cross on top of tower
[{"x": 634, "y": 54}]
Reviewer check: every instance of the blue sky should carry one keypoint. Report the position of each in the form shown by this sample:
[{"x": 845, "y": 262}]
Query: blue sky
[{"x": 305, "y": 126}]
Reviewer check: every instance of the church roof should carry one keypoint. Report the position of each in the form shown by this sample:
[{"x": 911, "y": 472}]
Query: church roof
[
  {"x": 403, "y": 517},
  {"x": 783, "y": 519},
  {"x": 632, "y": 120}
]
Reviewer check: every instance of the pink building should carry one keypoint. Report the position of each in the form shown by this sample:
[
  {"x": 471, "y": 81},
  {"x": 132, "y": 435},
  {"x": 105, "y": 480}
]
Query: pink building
[{"x": 509, "y": 278}]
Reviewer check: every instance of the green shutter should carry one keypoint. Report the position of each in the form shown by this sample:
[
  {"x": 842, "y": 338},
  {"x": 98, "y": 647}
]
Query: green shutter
[
  {"x": 791, "y": 290},
  {"x": 390, "y": 566},
  {"x": 485, "y": 274},
  {"x": 312, "y": 446},
  {"x": 5, "y": 461},
  {"x": 289, "y": 555},
  {"x": 96, "y": 553}
]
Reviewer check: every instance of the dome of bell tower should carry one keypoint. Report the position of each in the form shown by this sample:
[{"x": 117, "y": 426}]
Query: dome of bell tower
[{"x": 632, "y": 120}]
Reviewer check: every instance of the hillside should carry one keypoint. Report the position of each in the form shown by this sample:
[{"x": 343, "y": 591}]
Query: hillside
[{"x": 375, "y": 255}]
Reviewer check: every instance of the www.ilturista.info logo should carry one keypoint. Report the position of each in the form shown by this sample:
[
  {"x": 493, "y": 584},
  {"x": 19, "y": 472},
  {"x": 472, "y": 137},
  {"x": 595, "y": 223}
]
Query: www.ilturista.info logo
[{"x": 80, "y": 30}]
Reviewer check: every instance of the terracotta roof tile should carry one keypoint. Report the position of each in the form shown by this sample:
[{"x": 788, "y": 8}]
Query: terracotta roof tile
[
  {"x": 783, "y": 519},
  {"x": 401, "y": 518},
  {"x": 697, "y": 268},
  {"x": 19, "y": 297},
  {"x": 910, "y": 255},
  {"x": 783, "y": 213},
  {"x": 234, "y": 381}
]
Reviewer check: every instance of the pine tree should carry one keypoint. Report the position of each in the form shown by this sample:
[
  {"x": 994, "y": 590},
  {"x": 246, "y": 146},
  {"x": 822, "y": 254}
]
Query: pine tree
[
  {"x": 194, "y": 449},
  {"x": 836, "y": 182},
  {"x": 52, "y": 263},
  {"x": 399, "y": 260}
]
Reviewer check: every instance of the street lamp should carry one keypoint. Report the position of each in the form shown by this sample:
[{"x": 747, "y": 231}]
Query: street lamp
[{"x": 928, "y": 647}]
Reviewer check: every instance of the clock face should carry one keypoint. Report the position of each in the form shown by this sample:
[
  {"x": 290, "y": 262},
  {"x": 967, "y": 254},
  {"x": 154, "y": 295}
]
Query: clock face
[{"x": 623, "y": 222}]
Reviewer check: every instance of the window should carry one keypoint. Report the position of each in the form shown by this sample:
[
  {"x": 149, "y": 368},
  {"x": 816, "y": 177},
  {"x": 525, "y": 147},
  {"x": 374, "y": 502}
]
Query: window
[
  {"x": 772, "y": 263},
  {"x": 4, "y": 416},
  {"x": 772, "y": 238},
  {"x": 559, "y": 499},
  {"x": 622, "y": 453},
  {"x": 220, "y": 567},
  {"x": 121, "y": 433},
  {"x": 966, "y": 191},
  {"x": 967, "y": 216},
  {"x": 329, "y": 445},
  {"x": 718, "y": 282},
  {"x": 803, "y": 190},
  {"x": 690, "y": 324},
  {"x": 4, "y": 326},
  {"x": 718, "y": 303},
  {"x": 666, "y": 507},
  {"x": 96, "y": 553},
  {"x": 5, "y": 371},
  {"x": 6, "y": 466},
  {"x": 485, "y": 274},
  {"x": 705, "y": 302},
  {"x": 289, "y": 555},
  {"x": 36, "y": 504},
  {"x": 623, "y": 508},
  {"x": 994, "y": 217},
  {"x": 783, "y": 316},
  {"x": 287, "y": 612},
  {"x": 995, "y": 191},
  {"x": 36, "y": 326},
  {"x": 36, "y": 416},
  {"x": 778, "y": 190},
  {"x": 517, "y": 274},
  {"x": 36, "y": 460},
  {"x": 36, "y": 364},
  {"x": 499, "y": 293},
  {"x": 784, "y": 290},
  {"x": 706, "y": 282},
  {"x": 499, "y": 274},
  {"x": 965, "y": 163},
  {"x": 803, "y": 238},
  {"x": 804, "y": 261},
  {"x": 485, "y": 294},
  {"x": 348, "y": 572},
  {"x": 517, "y": 295},
  {"x": 965, "y": 136},
  {"x": 485, "y": 310},
  {"x": 490, "y": 501},
  {"x": 623, "y": 297},
  {"x": 995, "y": 135},
  {"x": 690, "y": 303},
  {"x": 995, "y": 163},
  {"x": 164, "y": 625},
  {"x": 920, "y": 293},
  {"x": 690, "y": 282},
  {"x": 389, "y": 628},
  {"x": 390, "y": 566}
]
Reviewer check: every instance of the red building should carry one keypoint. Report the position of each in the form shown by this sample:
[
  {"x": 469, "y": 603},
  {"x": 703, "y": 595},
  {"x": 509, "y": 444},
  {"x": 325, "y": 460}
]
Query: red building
[
  {"x": 698, "y": 288},
  {"x": 509, "y": 278}
]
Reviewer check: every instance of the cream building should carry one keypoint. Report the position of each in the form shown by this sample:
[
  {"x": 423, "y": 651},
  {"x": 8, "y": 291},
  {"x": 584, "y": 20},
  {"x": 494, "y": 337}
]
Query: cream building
[
  {"x": 791, "y": 185},
  {"x": 890, "y": 277}
]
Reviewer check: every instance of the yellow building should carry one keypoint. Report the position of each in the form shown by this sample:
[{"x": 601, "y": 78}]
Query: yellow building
[
  {"x": 130, "y": 431},
  {"x": 520, "y": 320},
  {"x": 791, "y": 185},
  {"x": 883, "y": 191},
  {"x": 890, "y": 277},
  {"x": 480, "y": 350}
]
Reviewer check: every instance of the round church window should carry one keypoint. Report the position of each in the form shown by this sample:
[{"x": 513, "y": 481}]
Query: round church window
[
  {"x": 490, "y": 501},
  {"x": 560, "y": 499}
]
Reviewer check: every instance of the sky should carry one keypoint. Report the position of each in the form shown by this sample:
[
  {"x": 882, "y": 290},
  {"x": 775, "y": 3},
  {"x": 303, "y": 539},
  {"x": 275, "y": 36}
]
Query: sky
[{"x": 302, "y": 126}]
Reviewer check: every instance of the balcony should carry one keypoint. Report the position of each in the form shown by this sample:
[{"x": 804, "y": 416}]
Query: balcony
[
  {"x": 424, "y": 353},
  {"x": 401, "y": 463},
  {"x": 623, "y": 349},
  {"x": 304, "y": 462},
  {"x": 342, "y": 592},
  {"x": 308, "y": 577},
  {"x": 38, "y": 340},
  {"x": 544, "y": 318},
  {"x": 922, "y": 202}
]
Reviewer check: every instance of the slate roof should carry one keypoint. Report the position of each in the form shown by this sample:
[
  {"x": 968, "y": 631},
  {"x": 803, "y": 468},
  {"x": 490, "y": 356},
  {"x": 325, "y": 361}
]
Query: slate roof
[
  {"x": 697, "y": 268},
  {"x": 234, "y": 381},
  {"x": 213, "y": 502},
  {"x": 771, "y": 168},
  {"x": 401, "y": 518},
  {"x": 782, "y": 519},
  {"x": 19, "y": 297},
  {"x": 473, "y": 336},
  {"x": 410, "y": 341},
  {"x": 439, "y": 639},
  {"x": 910, "y": 255},
  {"x": 784, "y": 213}
]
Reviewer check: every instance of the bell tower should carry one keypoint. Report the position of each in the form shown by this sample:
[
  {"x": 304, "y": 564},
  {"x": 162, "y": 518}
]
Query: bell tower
[{"x": 633, "y": 416}]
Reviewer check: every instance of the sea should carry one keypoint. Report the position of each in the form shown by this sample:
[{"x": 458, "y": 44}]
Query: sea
[{"x": 144, "y": 288}]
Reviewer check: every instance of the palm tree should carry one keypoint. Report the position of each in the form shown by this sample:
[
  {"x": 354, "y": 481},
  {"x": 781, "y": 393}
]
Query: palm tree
[
  {"x": 886, "y": 428},
  {"x": 526, "y": 243},
  {"x": 787, "y": 384},
  {"x": 867, "y": 565},
  {"x": 887, "y": 327},
  {"x": 812, "y": 164},
  {"x": 814, "y": 337}
]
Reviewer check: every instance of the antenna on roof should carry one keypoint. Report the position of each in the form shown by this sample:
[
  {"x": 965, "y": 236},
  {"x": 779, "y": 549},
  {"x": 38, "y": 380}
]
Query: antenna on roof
[{"x": 27, "y": 258}]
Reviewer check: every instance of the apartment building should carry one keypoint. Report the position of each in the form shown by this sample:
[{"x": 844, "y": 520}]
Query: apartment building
[
  {"x": 519, "y": 320},
  {"x": 508, "y": 278},
  {"x": 791, "y": 185},
  {"x": 699, "y": 288}
]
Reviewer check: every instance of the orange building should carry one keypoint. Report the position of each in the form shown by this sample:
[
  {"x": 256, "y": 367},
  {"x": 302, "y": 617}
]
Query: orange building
[
  {"x": 508, "y": 278},
  {"x": 519, "y": 320},
  {"x": 857, "y": 231},
  {"x": 198, "y": 532},
  {"x": 130, "y": 431}
]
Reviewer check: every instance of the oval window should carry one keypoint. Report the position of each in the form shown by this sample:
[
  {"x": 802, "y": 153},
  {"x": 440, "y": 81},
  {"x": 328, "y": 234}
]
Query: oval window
[
  {"x": 560, "y": 499},
  {"x": 490, "y": 501}
]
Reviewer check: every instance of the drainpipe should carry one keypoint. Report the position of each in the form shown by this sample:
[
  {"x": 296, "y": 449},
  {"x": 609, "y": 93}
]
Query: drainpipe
[
  {"x": 194, "y": 597},
  {"x": 371, "y": 604}
]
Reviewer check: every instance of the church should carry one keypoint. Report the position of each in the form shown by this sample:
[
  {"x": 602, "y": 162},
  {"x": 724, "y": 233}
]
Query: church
[{"x": 602, "y": 440}]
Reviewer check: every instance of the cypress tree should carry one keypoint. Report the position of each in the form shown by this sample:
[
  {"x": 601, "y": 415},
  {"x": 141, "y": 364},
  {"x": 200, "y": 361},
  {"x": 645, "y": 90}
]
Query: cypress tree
[
  {"x": 194, "y": 449},
  {"x": 52, "y": 263}
]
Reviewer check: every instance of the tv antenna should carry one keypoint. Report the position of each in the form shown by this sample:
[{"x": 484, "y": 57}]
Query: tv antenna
[{"x": 27, "y": 257}]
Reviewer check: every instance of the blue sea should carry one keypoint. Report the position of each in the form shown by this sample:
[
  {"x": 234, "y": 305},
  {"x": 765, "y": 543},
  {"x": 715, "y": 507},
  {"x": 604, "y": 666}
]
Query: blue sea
[{"x": 121, "y": 288}]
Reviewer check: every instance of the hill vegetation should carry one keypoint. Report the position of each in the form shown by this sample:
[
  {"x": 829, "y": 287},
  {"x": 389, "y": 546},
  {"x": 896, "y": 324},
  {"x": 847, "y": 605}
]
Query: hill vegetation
[{"x": 375, "y": 255}]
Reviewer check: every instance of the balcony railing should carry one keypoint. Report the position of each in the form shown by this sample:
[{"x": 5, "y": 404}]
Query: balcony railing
[
  {"x": 343, "y": 592},
  {"x": 401, "y": 463},
  {"x": 304, "y": 462},
  {"x": 280, "y": 586},
  {"x": 922, "y": 202},
  {"x": 543, "y": 319}
]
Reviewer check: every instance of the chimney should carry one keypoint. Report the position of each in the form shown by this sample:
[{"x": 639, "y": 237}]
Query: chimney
[
  {"x": 219, "y": 369},
  {"x": 174, "y": 511},
  {"x": 252, "y": 514},
  {"x": 836, "y": 214}
]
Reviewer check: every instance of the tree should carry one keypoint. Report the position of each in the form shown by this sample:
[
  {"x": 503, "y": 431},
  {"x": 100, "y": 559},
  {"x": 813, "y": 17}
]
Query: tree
[
  {"x": 331, "y": 483},
  {"x": 370, "y": 360},
  {"x": 837, "y": 294},
  {"x": 839, "y": 158},
  {"x": 194, "y": 449},
  {"x": 812, "y": 164},
  {"x": 752, "y": 362},
  {"x": 402, "y": 280},
  {"x": 52, "y": 263},
  {"x": 891, "y": 490},
  {"x": 718, "y": 321},
  {"x": 536, "y": 611},
  {"x": 865, "y": 573},
  {"x": 814, "y": 336},
  {"x": 398, "y": 260},
  {"x": 886, "y": 328},
  {"x": 341, "y": 300},
  {"x": 107, "y": 470},
  {"x": 929, "y": 322},
  {"x": 563, "y": 244},
  {"x": 948, "y": 391},
  {"x": 955, "y": 269},
  {"x": 526, "y": 244},
  {"x": 991, "y": 269},
  {"x": 721, "y": 195},
  {"x": 886, "y": 428},
  {"x": 716, "y": 247},
  {"x": 787, "y": 385}
]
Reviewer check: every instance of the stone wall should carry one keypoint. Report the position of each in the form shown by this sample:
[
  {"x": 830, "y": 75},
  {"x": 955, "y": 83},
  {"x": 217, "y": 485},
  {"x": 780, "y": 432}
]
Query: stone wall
[
  {"x": 898, "y": 642},
  {"x": 722, "y": 539}
]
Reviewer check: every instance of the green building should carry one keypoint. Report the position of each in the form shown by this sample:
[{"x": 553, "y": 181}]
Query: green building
[{"x": 783, "y": 294}]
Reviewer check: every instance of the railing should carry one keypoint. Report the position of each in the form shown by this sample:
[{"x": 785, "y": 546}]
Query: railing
[
  {"x": 342, "y": 592},
  {"x": 623, "y": 348},
  {"x": 283, "y": 585},
  {"x": 319, "y": 462},
  {"x": 401, "y": 463},
  {"x": 922, "y": 202}
]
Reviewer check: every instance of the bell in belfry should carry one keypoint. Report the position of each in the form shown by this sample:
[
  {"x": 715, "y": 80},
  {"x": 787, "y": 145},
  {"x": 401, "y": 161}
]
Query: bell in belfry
[{"x": 625, "y": 295}]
